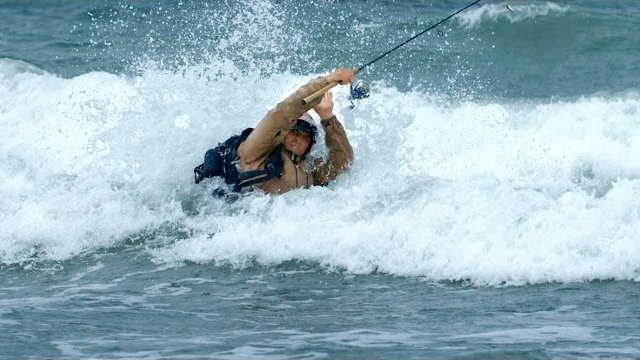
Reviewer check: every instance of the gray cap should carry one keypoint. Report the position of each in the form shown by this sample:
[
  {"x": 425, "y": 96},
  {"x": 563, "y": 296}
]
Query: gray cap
[{"x": 306, "y": 117}]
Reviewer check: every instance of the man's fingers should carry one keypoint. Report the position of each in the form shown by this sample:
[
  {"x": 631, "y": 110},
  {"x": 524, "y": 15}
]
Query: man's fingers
[{"x": 344, "y": 76}]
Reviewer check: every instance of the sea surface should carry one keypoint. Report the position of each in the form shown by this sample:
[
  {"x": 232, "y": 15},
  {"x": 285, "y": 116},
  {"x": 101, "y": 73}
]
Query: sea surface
[{"x": 492, "y": 211}]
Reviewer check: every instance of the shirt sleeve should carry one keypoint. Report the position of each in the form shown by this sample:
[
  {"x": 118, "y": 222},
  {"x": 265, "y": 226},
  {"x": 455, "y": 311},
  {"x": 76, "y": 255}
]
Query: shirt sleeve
[
  {"x": 277, "y": 121},
  {"x": 340, "y": 152}
]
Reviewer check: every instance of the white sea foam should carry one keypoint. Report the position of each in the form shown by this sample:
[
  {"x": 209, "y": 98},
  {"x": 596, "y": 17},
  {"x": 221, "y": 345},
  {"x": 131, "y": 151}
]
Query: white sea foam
[
  {"x": 489, "y": 192},
  {"x": 512, "y": 11}
]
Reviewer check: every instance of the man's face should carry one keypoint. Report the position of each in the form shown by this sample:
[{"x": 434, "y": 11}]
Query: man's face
[{"x": 297, "y": 142}]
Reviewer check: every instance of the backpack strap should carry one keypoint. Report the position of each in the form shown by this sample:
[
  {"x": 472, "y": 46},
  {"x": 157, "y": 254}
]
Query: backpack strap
[
  {"x": 198, "y": 173},
  {"x": 272, "y": 169},
  {"x": 223, "y": 161},
  {"x": 217, "y": 161}
]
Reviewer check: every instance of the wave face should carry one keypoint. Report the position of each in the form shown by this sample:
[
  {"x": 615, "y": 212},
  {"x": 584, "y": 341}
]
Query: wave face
[{"x": 459, "y": 173}]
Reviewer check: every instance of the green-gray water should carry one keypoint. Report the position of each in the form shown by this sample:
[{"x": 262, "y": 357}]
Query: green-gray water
[{"x": 493, "y": 209}]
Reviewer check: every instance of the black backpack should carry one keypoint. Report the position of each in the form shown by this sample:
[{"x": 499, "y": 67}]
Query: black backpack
[{"x": 222, "y": 161}]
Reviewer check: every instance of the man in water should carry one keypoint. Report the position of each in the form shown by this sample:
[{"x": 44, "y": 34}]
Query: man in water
[{"x": 272, "y": 157}]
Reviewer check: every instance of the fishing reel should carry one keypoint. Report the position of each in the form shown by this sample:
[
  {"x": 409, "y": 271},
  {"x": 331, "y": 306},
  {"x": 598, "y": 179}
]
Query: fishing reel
[{"x": 358, "y": 92}]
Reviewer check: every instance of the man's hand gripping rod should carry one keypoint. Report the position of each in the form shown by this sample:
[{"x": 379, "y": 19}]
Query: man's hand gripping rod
[{"x": 320, "y": 92}]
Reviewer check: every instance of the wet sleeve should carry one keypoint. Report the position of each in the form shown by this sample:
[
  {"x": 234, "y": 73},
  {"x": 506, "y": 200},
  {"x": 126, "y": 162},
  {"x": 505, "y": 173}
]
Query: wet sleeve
[
  {"x": 277, "y": 121},
  {"x": 340, "y": 152}
]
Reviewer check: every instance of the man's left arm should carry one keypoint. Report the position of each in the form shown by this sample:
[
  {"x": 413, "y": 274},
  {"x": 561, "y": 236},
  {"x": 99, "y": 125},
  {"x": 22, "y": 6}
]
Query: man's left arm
[{"x": 340, "y": 152}]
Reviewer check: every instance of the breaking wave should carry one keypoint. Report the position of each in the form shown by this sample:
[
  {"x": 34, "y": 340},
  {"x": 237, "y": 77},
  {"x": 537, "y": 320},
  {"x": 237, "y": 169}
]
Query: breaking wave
[
  {"x": 491, "y": 192},
  {"x": 511, "y": 12}
]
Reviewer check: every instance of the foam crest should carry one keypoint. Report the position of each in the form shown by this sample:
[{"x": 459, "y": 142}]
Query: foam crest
[
  {"x": 99, "y": 159},
  {"x": 491, "y": 192},
  {"x": 73, "y": 167},
  {"x": 510, "y": 11}
]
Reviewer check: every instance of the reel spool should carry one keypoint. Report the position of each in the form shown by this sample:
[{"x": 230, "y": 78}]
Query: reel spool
[{"x": 359, "y": 91}]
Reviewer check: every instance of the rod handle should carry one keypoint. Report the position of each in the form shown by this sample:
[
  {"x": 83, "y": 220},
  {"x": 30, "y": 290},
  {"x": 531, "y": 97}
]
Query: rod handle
[{"x": 317, "y": 94}]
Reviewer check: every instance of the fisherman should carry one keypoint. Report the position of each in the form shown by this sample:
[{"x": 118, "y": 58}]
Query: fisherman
[{"x": 272, "y": 157}]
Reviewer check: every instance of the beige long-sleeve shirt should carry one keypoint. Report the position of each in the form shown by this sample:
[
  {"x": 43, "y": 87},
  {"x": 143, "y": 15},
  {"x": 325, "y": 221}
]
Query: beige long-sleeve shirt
[{"x": 269, "y": 133}]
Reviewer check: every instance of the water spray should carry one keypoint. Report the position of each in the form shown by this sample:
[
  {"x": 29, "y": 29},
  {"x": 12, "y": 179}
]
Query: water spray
[{"x": 361, "y": 89}]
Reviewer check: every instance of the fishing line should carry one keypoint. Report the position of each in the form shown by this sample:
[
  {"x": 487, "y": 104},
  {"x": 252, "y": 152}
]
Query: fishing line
[
  {"x": 361, "y": 89},
  {"x": 362, "y": 67}
]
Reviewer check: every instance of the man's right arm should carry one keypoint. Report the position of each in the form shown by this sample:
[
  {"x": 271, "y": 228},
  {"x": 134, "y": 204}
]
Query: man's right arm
[{"x": 278, "y": 121}]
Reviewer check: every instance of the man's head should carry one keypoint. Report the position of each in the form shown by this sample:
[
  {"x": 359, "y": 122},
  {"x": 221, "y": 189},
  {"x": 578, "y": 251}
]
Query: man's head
[{"x": 301, "y": 137}]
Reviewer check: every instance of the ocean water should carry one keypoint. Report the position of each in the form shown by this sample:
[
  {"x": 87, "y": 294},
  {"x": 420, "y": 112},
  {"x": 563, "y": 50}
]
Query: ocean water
[{"x": 493, "y": 209}]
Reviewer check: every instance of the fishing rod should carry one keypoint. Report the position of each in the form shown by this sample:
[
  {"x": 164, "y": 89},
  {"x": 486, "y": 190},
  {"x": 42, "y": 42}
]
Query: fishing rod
[{"x": 359, "y": 92}]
